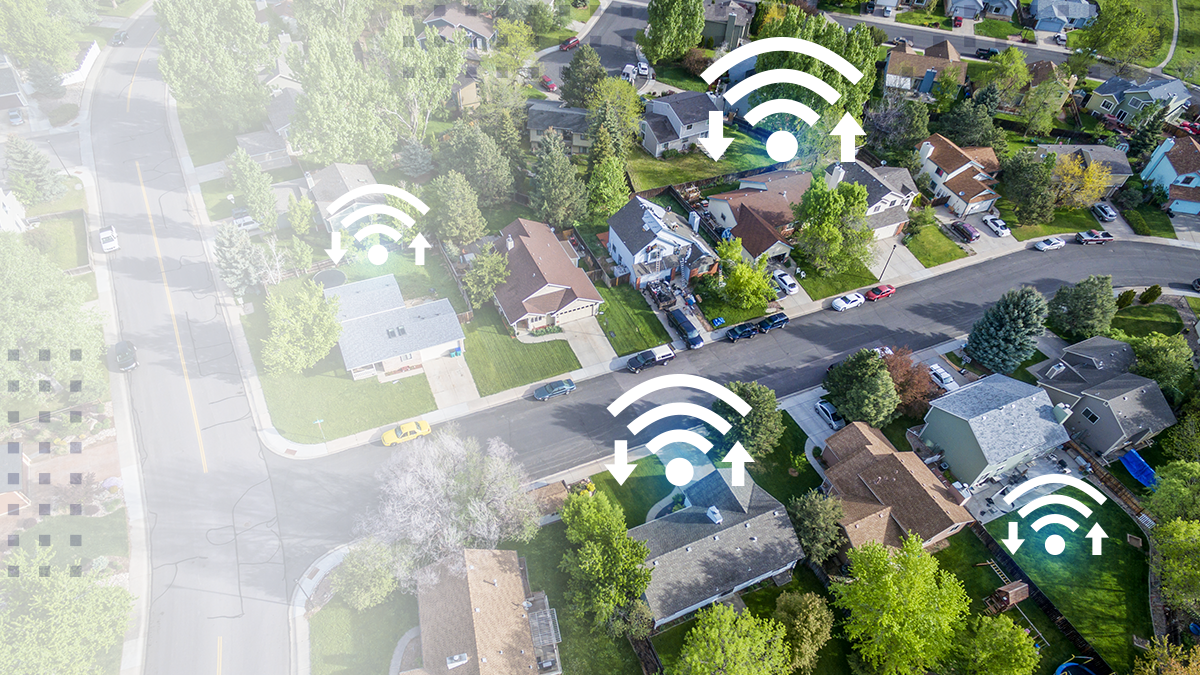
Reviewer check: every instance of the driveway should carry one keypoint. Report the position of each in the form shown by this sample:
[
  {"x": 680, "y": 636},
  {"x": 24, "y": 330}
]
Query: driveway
[
  {"x": 802, "y": 408},
  {"x": 1187, "y": 227},
  {"x": 612, "y": 37}
]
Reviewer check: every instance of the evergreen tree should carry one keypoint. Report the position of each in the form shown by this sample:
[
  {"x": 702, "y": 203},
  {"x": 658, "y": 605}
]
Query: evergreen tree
[
  {"x": 603, "y": 146},
  {"x": 1007, "y": 333},
  {"x": 35, "y": 181},
  {"x": 581, "y": 76},
  {"x": 454, "y": 210},
  {"x": 471, "y": 152},
  {"x": 255, "y": 185},
  {"x": 415, "y": 160},
  {"x": 615, "y": 105},
  {"x": 1025, "y": 180},
  {"x": 1086, "y": 309},
  {"x": 1148, "y": 133},
  {"x": 988, "y": 97},
  {"x": 46, "y": 80},
  {"x": 816, "y": 519},
  {"x": 239, "y": 261},
  {"x": 862, "y": 390},
  {"x": 607, "y": 190},
  {"x": 556, "y": 192},
  {"x": 970, "y": 125}
]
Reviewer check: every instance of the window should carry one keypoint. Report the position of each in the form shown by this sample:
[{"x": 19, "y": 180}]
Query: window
[
  {"x": 1136, "y": 103},
  {"x": 1187, "y": 180},
  {"x": 1121, "y": 115},
  {"x": 689, "y": 127},
  {"x": 1090, "y": 416},
  {"x": 938, "y": 172},
  {"x": 1107, "y": 105}
]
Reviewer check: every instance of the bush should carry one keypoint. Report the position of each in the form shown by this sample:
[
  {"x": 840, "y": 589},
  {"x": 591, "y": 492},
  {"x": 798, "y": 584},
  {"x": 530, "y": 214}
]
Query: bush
[
  {"x": 695, "y": 61},
  {"x": 1137, "y": 223},
  {"x": 878, "y": 35},
  {"x": 63, "y": 114},
  {"x": 1150, "y": 294},
  {"x": 1126, "y": 299},
  {"x": 1127, "y": 198}
]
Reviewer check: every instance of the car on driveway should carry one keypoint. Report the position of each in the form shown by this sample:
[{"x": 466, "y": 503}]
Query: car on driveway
[
  {"x": 849, "y": 301},
  {"x": 643, "y": 69},
  {"x": 556, "y": 388},
  {"x": 830, "y": 414},
  {"x": 242, "y": 219},
  {"x": 549, "y": 83},
  {"x": 1094, "y": 237},
  {"x": 108, "y": 240},
  {"x": 986, "y": 53},
  {"x": 1050, "y": 244},
  {"x": 119, "y": 38},
  {"x": 996, "y": 225},
  {"x": 745, "y": 331},
  {"x": 686, "y": 329},
  {"x": 958, "y": 22},
  {"x": 126, "y": 354},
  {"x": 569, "y": 44},
  {"x": 14, "y": 118},
  {"x": 942, "y": 378},
  {"x": 1104, "y": 213},
  {"x": 1060, "y": 38},
  {"x": 777, "y": 320},
  {"x": 880, "y": 292},
  {"x": 785, "y": 282},
  {"x": 405, "y": 432},
  {"x": 870, "y": 7}
]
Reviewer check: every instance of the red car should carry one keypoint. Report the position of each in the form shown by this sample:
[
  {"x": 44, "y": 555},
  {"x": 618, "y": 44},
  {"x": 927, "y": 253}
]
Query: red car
[
  {"x": 549, "y": 83},
  {"x": 569, "y": 44},
  {"x": 958, "y": 22},
  {"x": 880, "y": 292}
]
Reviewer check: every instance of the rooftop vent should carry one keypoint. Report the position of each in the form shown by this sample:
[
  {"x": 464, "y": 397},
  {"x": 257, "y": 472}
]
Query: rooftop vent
[
  {"x": 714, "y": 514},
  {"x": 455, "y": 661},
  {"x": 1055, "y": 370}
]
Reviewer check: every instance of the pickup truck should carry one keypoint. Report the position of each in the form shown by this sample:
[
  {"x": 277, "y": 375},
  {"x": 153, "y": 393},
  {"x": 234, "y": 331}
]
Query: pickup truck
[
  {"x": 986, "y": 53},
  {"x": 1094, "y": 237}
]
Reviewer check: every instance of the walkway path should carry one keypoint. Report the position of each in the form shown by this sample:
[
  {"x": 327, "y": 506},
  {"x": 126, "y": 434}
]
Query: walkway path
[
  {"x": 398, "y": 655},
  {"x": 1174, "y": 40}
]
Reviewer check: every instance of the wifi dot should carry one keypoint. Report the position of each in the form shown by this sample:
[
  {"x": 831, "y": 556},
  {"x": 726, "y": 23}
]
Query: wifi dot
[
  {"x": 1055, "y": 544},
  {"x": 679, "y": 472},
  {"x": 377, "y": 254},
  {"x": 782, "y": 146}
]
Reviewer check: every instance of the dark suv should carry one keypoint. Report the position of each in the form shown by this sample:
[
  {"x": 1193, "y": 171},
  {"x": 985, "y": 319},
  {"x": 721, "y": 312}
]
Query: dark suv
[
  {"x": 685, "y": 328},
  {"x": 772, "y": 322},
  {"x": 986, "y": 53},
  {"x": 745, "y": 331}
]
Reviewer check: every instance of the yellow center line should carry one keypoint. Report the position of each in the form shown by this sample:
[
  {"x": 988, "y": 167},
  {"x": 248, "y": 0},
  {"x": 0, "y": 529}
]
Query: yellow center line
[
  {"x": 219, "y": 655},
  {"x": 129, "y": 97},
  {"x": 174, "y": 323}
]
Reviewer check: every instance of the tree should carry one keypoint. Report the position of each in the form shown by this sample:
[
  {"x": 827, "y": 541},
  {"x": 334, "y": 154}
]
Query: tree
[
  {"x": 211, "y": 54},
  {"x": 1178, "y": 562},
  {"x": 420, "y": 74},
  {"x": 414, "y": 160},
  {"x": 1182, "y": 441},
  {"x": 608, "y": 190},
  {"x": 970, "y": 125},
  {"x": 452, "y": 495},
  {"x": 761, "y": 429},
  {"x": 896, "y": 124},
  {"x": 1006, "y": 335},
  {"x": 300, "y": 214},
  {"x": 1079, "y": 63},
  {"x": 994, "y": 645},
  {"x": 556, "y": 193},
  {"x": 946, "y": 87},
  {"x": 1124, "y": 33},
  {"x": 30, "y": 32},
  {"x": 913, "y": 384},
  {"x": 815, "y": 517},
  {"x": 304, "y": 329},
  {"x": 365, "y": 577},
  {"x": 276, "y": 259},
  {"x": 862, "y": 390},
  {"x": 514, "y": 47},
  {"x": 674, "y": 27},
  {"x": 903, "y": 609},
  {"x": 615, "y": 105},
  {"x": 581, "y": 76},
  {"x": 1008, "y": 72},
  {"x": 29, "y": 170},
  {"x": 1086, "y": 309},
  {"x": 539, "y": 18},
  {"x": 489, "y": 270},
  {"x": 1177, "y": 494},
  {"x": 1149, "y": 130},
  {"x": 834, "y": 236},
  {"x": 1025, "y": 180},
  {"x": 475, "y": 155},
  {"x": 1040, "y": 107},
  {"x": 808, "y": 622},
  {"x": 1165, "y": 658},
  {"x": 47, "y": 80},
  {"x": 350, "y": 16},
  {"x": 1076, "y": 186},
  {"x": 724, "y": 642},
  {"x": 239, "y": 261},
  {"x": 747, "y": 282},
  {"x": 301, "y": 255},
  {"x": 1166, "y": 359},
  {"x": 988, "y": 97},
  {"x": 255, "y": 185},
  {"x": 695, "y": 61},
  {"x": 454, "y": 210},
  {"x": 606, "y": 568}
]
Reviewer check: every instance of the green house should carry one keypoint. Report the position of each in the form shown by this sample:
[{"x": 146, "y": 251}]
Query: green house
[{"x": 1123, "y": 99}]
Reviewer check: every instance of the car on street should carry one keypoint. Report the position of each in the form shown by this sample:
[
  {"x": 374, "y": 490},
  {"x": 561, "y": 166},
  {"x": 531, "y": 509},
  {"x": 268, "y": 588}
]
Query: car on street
[
  {"x": 405, "y": 432},
  {"x": 1050, "y": 244},
  {"x": 830, "y": 414},
  {"x": 569, "y": 44},
  {"x": 996, "y": 225},
  {"x": 1104, "y": 213},
  {"x": 657, "y": 356},
  {"x": 1094, "y": 237},
  {"x": 643, "y": 69},
  {"x": 958, "y": 22},
  {"x": 777, "y": 320},
  {"x": 549, "y": 83},
  {"x": 880, "y": 292},
  {"x": 629, "y": 72},
  {"x": 986, "y": 53},
  {"x": 1196, "y": 285},
  {"x": 14, "y": 118},
  {"x": 744, "y": 331},
  {"x": 108, "y": 240},
  {"x": 849, "y": 301},
  {"x": 942, "y": 378},
  {"x": 126, "y": 354},
  {"x": 119, "y": 38},
  {"x": 785, "y": 282},
  {"x": 686, "y": 329},
  {"x": 556, "y": 388}
]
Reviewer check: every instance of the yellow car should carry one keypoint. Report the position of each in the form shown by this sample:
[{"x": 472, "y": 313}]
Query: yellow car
[{"x": 406, "y": 432}]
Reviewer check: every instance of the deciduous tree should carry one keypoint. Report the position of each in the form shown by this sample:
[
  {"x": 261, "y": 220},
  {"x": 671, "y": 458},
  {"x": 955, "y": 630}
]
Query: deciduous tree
[
  {"x": 420, "y": 74},
  {"x": 301, "y": 255},
  {"x": 946, "y": 87},
  {"x": 581, "y": 76},
  {"x": 1178, "y": 561},
  {"x": 255, "y": 185},
  {"x": 1008, "y": 72},
  {"x": 489, "y": 270},
  {"x": 993, "y": 645},
  {"x": 1040, "y": 107},
  {"x": 815, "y": 517},
  {"x": 724, "y": 642},
  {"x": 970, "y": 125},
  {"x": 674, "y": 27},
  {"x": 615, "y": 105},
  {"x": 861, "y": 389},
  {"x": 1079, "y": 63},
  {"x": 304, "y": 329},
  {"x": 1177, "y": 493},
  {"x": 761, "y": 429},
  {"x": 300, "y": 214},
  {"x": 833, "y": 234},
  {"x": 1076, "y": 186},
  {"x": 453, "y": 210},
  {"x": 556, "y": 192},
  {"x": 608, "y": 190},
  {"x": 1006, "y": 335},
  {"x": 913, "y": 384},
  {"x": 365, "y": 576},
  {"x": 239, "y": 261},
  {"x": 1086, "y": 309},
  {"x": 475, "y": 155},
  {"x": 30, "y": 32},
  {"x": 896, "y": 124},
  {"x": 1025, "y": 180},
  {"x": 1166, "y": 359},
  {"x": 747, "y": 283},
  {"x": 1124, "y": 33},
  {"x": 1164, "y": 658},
  {"x": 1182, "y": 441},
  {"x": 809, "y": 623},
  {"x": 514, "y": 47}
]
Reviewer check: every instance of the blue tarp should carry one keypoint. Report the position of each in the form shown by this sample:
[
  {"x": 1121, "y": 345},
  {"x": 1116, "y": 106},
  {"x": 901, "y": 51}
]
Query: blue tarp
[{"x": 1139, "y": 469}]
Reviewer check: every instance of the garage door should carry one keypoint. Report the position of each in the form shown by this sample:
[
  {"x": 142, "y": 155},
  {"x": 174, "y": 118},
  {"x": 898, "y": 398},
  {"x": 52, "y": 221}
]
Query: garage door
[{"x": 888, "y": 231}]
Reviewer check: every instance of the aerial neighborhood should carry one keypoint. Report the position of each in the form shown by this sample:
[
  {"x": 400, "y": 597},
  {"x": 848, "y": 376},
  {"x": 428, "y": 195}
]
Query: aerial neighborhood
[{"x": 333, "y": 335}]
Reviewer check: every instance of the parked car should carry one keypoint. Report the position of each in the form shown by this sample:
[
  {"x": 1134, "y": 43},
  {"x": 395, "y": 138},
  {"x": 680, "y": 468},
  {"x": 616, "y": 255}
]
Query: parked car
[
  {"x": 108, "y": 240},
  {"x": 996, "y": 225},
  {"x": 942, "y": 378},
  {"x": 629, "y": 72},
  {"x": 785, "y": 282},
  {"x": 1050, "y": 244},
  {"x": 1094, "y": 237},
  {"x": 1104, "y": 213},
  {"x": 14, "y": 118},
  {"x": 119, "y": 38},
  {"x": 569, "y": 44},
  {"x": 958, "y": 22},
  {"x": 1061, "y": 38},
  {"x": 870, "y": 7},
  {"x": 830, "y": 414},
  {"x": 887, "y": 11},
  {"x": 549, "y": 83},
  {"x": 658, "y": 356},
  {"x": 833, "y": 365},
  {"x": 243, "y": 220},
  {"x": 745, "y": 331},
  {"x": 965, "y": 231},
  {"x": 777, "y": 320},
  {"x": 405, "y": 432},
  {"x": 881, "y": 292},
  {"x": 986, "y": 53},
  {"x": 556, "y": 388},
  {"x": 686, "y": 329},
  {"x": 643, "y": 69},
  {"x": 1196, "y": 285},
  {"x": 126, "y": 354},
  {"x": 849, "y": 301}
]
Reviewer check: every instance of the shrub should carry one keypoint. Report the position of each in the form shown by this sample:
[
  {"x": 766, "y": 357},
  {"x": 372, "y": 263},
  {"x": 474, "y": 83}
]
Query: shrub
[
  {"x": 878, "y": 35},
  {"x": 63, "y": 114},
  {"x": 1137, "y": 223},
  {"x": 695, "y": 61},
  {"x": 1150, "y": 294},
  {"x": 1127, "y": 198},
  {"x": 1126, "y": 299}
]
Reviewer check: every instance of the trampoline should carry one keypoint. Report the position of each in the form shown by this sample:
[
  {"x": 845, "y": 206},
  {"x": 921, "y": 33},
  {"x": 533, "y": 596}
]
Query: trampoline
[
  {"x": 1073, "y": 668},
  {"x": 330, "y": 278},
  {"x": 1139, "y": 469}
]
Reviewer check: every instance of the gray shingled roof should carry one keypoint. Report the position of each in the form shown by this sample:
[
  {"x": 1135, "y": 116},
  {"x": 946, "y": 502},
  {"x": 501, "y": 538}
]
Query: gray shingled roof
[
  {"x": 690, "y": 107},
  {"x": 877, "y": 185},
  {"x": 1113, "y": 86},
  {"x": 718, "y": 11},
  {"x": 629, "y": 223},
  {"x": 545, "y": 115},
  {"x": 1062, "y": 9},
  {"x": 1086, "y": 364},
  {"x": 1137, "y": 403},
  {"x": 661, "y": 126},
  {"x": 280, "y": 109},
  {"x": 1161, "y": 89},
  {"x": 260, "y": 142},
  {"x": 1114, "y": 159},
  {"x": 1006, "y": 416}
]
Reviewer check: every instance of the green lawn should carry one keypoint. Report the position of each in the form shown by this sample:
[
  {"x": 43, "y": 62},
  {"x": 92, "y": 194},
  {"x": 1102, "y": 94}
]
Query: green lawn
[
  {"x": 125, "y": 9},
  {"x": 552, "y": 39},
  {"x": 103, "y": 536},
  {"x": 1016, "y": 141},
  {"x": 1194, "y": 303},
  {"x": 675, "y": 75},
  {"x": 819, "y": 287},
  {"x": 932, "y": 247},
  {"x": 976, "y": 69},
  {"x": 208, "y": 140},
  {"x": 996, "y": 28},
  {"x": 501, "y": 216},
  {"x": 1066, "y": 221},
  {"x": 1142, "y": 320},
  {"x": 930, "y": 17},
  {"x": 895, "y": 431},
  {"x": 89, "y": 278},
  {"x": 63, "y": 239},
  {"x": 499, "y": 362},
  {"x": 771, "y": 471},
  {"x": 585, "y": 13},
  {"x": 99, "y": 34},
  {"x": 296, "y": 172},
  {"x": 1187, "y": 51},
  {"x": 647, "y": 172},
  {"x": 215, "y": 201},
  {"x": 973, "y": 367},
  {"x": 1105, "y": 597},
  {"x": 714, "y": 306},
  {"x": 1158, "y": 222},
  {"x": 1022, "y": 372},
  {"x": 73, "y": 199},
  {"x": 644, "y": 488},
  {"x": 719, "y": 188},
  {"x": 628, "y": 322},
  {"x": 345, "y": 641}
]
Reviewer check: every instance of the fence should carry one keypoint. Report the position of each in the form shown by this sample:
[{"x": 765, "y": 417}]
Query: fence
[{"x": 716, "y": 180}]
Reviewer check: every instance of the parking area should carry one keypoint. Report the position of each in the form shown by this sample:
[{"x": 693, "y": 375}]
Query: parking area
[
  {"x": 613, "y": 39},
  {"x": 989, "y": 243}
]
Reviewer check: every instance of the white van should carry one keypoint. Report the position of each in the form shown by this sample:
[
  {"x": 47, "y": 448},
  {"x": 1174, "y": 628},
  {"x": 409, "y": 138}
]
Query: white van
[{"x": 630, "y": 73}]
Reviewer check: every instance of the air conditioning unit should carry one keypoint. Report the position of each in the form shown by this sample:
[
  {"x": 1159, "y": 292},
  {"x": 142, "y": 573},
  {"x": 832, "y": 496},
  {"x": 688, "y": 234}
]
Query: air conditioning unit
[{"x": 455, "y": 661}]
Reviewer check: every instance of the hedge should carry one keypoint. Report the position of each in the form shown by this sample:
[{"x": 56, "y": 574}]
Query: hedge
[{"x": 1137, "y": 223}]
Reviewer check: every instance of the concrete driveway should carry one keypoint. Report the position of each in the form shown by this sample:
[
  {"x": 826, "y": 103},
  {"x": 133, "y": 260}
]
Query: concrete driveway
[
  {"x": 612, "y": 37},
  {"x": 1187, "y": 227},
  {"x": 802, "y": 408}
]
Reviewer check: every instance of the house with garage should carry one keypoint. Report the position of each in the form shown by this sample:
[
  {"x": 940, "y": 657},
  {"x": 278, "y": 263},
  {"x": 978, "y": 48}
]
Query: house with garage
[
  {"x": 962, "y": 178},
  {"x": 727, "y": 538},
  {"x": 1113, "y": 159},
  {"x": 649, "y": 243},
  {"x": 1123, "y": 99},
  {"x": 479, "y": 29},
  {"x": 726, "y": 22},
  {"x": 759, "y": 211},
  {"x": 1061, "y": 15},
  {"x": 886, "y": 494},
  {"x": 676, "y": 121},
  {"x": 384, "y": 338},
  {"x": 890, "y": 193},
  {"x": 907, "y": 71},
  {"x": 1175, "y": 165},
  {"x": 544, "y": 285},
  {"x": 571, "y": 124},
  {"x": 982, "y": 9},
  {"x": 991, "y": 426},
  {"x": 1114, "y": 409},
  {"x": 326, "y": 185}
]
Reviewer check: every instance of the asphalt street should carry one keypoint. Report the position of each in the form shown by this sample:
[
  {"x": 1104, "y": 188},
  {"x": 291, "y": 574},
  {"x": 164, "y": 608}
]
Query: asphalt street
[
  {"x": 612, "y": 38},
  {"x": 965, "y": 44}
]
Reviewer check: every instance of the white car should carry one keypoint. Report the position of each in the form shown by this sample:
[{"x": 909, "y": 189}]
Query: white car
[
  {"x": 942, "y": 378},
  {"x": 848, "y": 302},
  {"x": 1050, "y": 244},
  {"x": 629, "y": 73},
  {"x": 14, "y": 118},
  {"x": 785, "y": 282},
  {"x": 108, "y": 240},
  {"x": 643, "y": 69},
  {"x": 243, "y": 220},
  {"x": 996, "y": 225}
]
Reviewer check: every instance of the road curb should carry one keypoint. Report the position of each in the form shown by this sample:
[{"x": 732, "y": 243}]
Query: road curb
[{"x": 297, "y": 621}]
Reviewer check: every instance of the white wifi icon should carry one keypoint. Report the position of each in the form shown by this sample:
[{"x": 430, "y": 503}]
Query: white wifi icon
[
  {"x": 1055, "y": 544},
  {"x": 679, "y": 471},
  {"x": 782, "y": 145},
  {"x": 377, "y": 254}
]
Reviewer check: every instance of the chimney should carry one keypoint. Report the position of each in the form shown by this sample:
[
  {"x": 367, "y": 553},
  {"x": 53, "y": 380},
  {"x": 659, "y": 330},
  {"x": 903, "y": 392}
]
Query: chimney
[
  {"x": 694, "y": 221},
  {"x": 1061, "y": 412},
  {"x": 835, "y": 176},
  {"x": 714, "y": 514},
  {"x": 509, "y": 242},
  {"x": 926, "y": 150}
]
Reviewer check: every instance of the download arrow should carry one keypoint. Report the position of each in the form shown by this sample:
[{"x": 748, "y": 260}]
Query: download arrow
[
  {"x": 716, "y": 143},
  {"x": 847, "y": 129},
  {"x": 419, "y": 244},
  {"x": 1013, "y": 543},
  {"x": 620, "y": 468},
  {"x": 738, "y": 457},
  {"x": 1096, "y": 534},
  {"x": 336, "y": 253}
]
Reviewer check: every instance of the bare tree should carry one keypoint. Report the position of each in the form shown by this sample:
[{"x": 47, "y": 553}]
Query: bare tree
[{"x": 275, "y": 260}]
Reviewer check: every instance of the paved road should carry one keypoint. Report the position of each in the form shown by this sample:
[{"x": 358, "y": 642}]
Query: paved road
[
  {"x": 965, "y": 44},
  {"x": 612, "y": 38}
]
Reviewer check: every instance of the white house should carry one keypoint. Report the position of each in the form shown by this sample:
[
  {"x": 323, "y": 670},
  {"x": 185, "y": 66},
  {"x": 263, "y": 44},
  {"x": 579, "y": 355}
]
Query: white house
[
  {"x": 890, "y": 193},
  {"x": 962, "y": 176},
  {"x": 649, "y": 243},
  {"x": 676, "y": 122}
]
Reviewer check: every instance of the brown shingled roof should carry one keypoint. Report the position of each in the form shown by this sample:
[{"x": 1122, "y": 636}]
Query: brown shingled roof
[
  {"x": 968, "y": 189},
  {"x": 756, "y": 234},
  {"x": 946, "y": 153},
  {"x": 943, "y": 50},
  {"x": 774, "y": 205},
  {"x": 1185, "y": 156},
  {"x": 537, "y": 261},
  {"x": 907, "y": 64},
  {"x": 985, "y": 156},
  {"x": 1184, "y": 193}
]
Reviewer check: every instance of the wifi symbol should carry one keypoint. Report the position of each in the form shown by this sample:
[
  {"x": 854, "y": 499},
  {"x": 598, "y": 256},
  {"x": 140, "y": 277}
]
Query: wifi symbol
[
  {"x": 377, "y": 254},
  {"x": 679, "y": 470},
  {"x": 1055, "y": 544},
  {"x": 782, "y": 145}
]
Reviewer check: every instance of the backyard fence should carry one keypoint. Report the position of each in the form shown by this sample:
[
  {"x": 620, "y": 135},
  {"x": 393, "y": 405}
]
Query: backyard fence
[
  {"x": 715, "y": 180},
  {"x": 647, "y": 657}
]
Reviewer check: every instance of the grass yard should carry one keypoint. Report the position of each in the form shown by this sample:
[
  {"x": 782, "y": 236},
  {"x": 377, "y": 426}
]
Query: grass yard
[
  {"x": 719, "y": 188},
  {"x": 771, "y": 471},
  {"x": 930, "y": 17},
  {"x": 552, "y": 39},
  {"x": 208, "y": 140},
  {"x": 1016, "y": 142},
  {"x": 345, "y": 641},
  {"x": 932, "y": 247},
  {"x": 73, "y": 199},
  {"x": 628, "y": 322},
  {"x": 1142, "y": 320},
  {"x": 895, "y": 431},
  {"x": 501, "y": 216},
  {"x": 973, "y": 367},
  {"x": 499, "y": 362},
  {"x": 99, "y": 34},
  {"x": 977, "y": 69},
  {"x": 1022, "y": 372},
  {"x": 103, "y": 536},
  {"x": 828, "y": 285},
  {"x": 1158, "y": 222},
  {"x": 1105, "y": 597},
  {"x": 996, "y": 28},
  {"x": 584, "y": 13},
  {"x": 415, "y": 280},
  {"x": 63, "y": 239},
  {"x": 647, "y": 172},
  {"x": 714, "y": 306},
  {"x": 675, "y": 75},
  {"x": 1194, "y": 303},
  {"x": 215, "y": 201},
  {"x": 1187, "y": 51},
  {"x": 1066, "y": 221},
  {"x": 124, "y": 9},
  {"x": 644, "y": 488}
]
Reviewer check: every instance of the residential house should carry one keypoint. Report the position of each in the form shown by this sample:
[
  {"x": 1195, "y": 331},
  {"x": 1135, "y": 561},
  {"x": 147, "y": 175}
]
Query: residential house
[
  {"x": 962, "y": 177},
  {"x": 478, "y": 617},
  {"x": 278, "y": 75},
  {"x": 1175, "y": 165},
  {"x": 1114, "y": 409},
  {"x": 990, "y": 426},
  {"x": 908, "y": 71},
  {"x": 266, "y": 148},
  {"x": 480, "y": 30},
  {"x": 12, "y": 95},
  {"x": 982, "y": 9},
  {"x": 384, "y": 338},
  {"x": 760, "y": 212},
  {"x": 280, "y": 110},
  {"x": 14, "y": 491},
  {"x": 335, "y": 180},
  {"x": 1060, "y": 15},
  {"x": 1123, "y": 99},
  {"x": 12, "y": 212},
  {"x": 726, "y": 22},
  {"x": 544, "y": 286},
  {"x": 1046, "y": 71},
  {"x": 552, "y": 116},
  {"x": 676, "y": 121},
  {"x": 1117, "y": 163},
  {"x": 465, "y": 92},
  {"x": 726, "y": 539},
  {"x": 276, "y": 13},
  {"x": 890, "y": 193},
  {"x": 649, "y": 243},
  {"x": 886, "y": 494}
]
